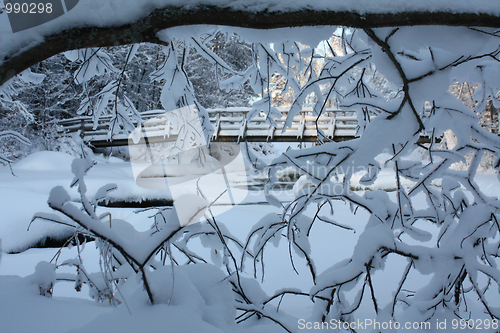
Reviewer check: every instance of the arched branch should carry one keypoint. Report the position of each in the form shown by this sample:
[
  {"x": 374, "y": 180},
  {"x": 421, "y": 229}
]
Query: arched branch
[{"x": 144, "y": 29}]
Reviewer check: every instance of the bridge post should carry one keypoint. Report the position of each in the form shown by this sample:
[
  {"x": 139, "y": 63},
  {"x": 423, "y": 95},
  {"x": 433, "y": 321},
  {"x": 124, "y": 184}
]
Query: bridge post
[
  {"x": 331, "y": 127},
  {"x": 270, "y": 132},
  {"x": 243, "y": 129},
  {"x": 302, "y": 126},
  {"x": 82, "y": 128},
  {"x": 215, "y": 136}
]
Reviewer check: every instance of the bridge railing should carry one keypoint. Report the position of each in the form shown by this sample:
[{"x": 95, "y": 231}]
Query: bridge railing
[{"x": 230, "y": 124}]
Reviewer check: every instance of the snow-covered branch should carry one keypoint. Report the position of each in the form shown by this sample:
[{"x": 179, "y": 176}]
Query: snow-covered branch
[{"x": 140, "y": 22}]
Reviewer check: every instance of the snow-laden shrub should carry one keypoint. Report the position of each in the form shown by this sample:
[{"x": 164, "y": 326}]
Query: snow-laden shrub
[
  {"x": 44, "y": 277},
  {"x": 448, "y": 233},
  {"x": 71, "y": 144},
  {"x": 202, "y": 287},
  {"x": 127, "y": 254},
  {"x": 13, "y": 136}
]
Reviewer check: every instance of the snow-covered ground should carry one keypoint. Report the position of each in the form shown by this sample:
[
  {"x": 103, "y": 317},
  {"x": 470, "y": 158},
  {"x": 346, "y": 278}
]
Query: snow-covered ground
[{"x": 206, "y": 305}]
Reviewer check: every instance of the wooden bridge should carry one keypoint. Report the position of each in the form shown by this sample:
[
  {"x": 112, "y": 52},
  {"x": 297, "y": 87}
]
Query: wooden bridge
[{"x": 230, "y": 124}]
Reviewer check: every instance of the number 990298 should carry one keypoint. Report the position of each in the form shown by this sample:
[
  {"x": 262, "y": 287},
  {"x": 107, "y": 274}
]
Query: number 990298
[
  {"x": 477, "y": 324},
  {"x": 28, "y": 8}
]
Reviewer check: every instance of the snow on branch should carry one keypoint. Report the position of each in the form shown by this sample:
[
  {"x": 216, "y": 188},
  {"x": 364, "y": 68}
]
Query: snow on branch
[{"x": 138, "y": 22}]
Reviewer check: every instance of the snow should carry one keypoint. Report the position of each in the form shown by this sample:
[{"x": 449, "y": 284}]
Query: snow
[
  {"x": 201, "y": 299},
  {"x": 39, "y": 172},
  {"x": 16, "y": 293},
  {"x": 35, "y": 176},
  {"x": 45, "y": 161},
  {"x": 324, "y": 239},
  {"x": 372, "y": 238}
]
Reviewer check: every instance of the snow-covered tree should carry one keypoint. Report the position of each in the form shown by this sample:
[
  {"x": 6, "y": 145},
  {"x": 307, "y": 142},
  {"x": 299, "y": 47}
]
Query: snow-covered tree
[
  {"x": 421, "y": 65},
  {"x": 437, "y": 223},
  {"x": 204, "y": 74}
]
